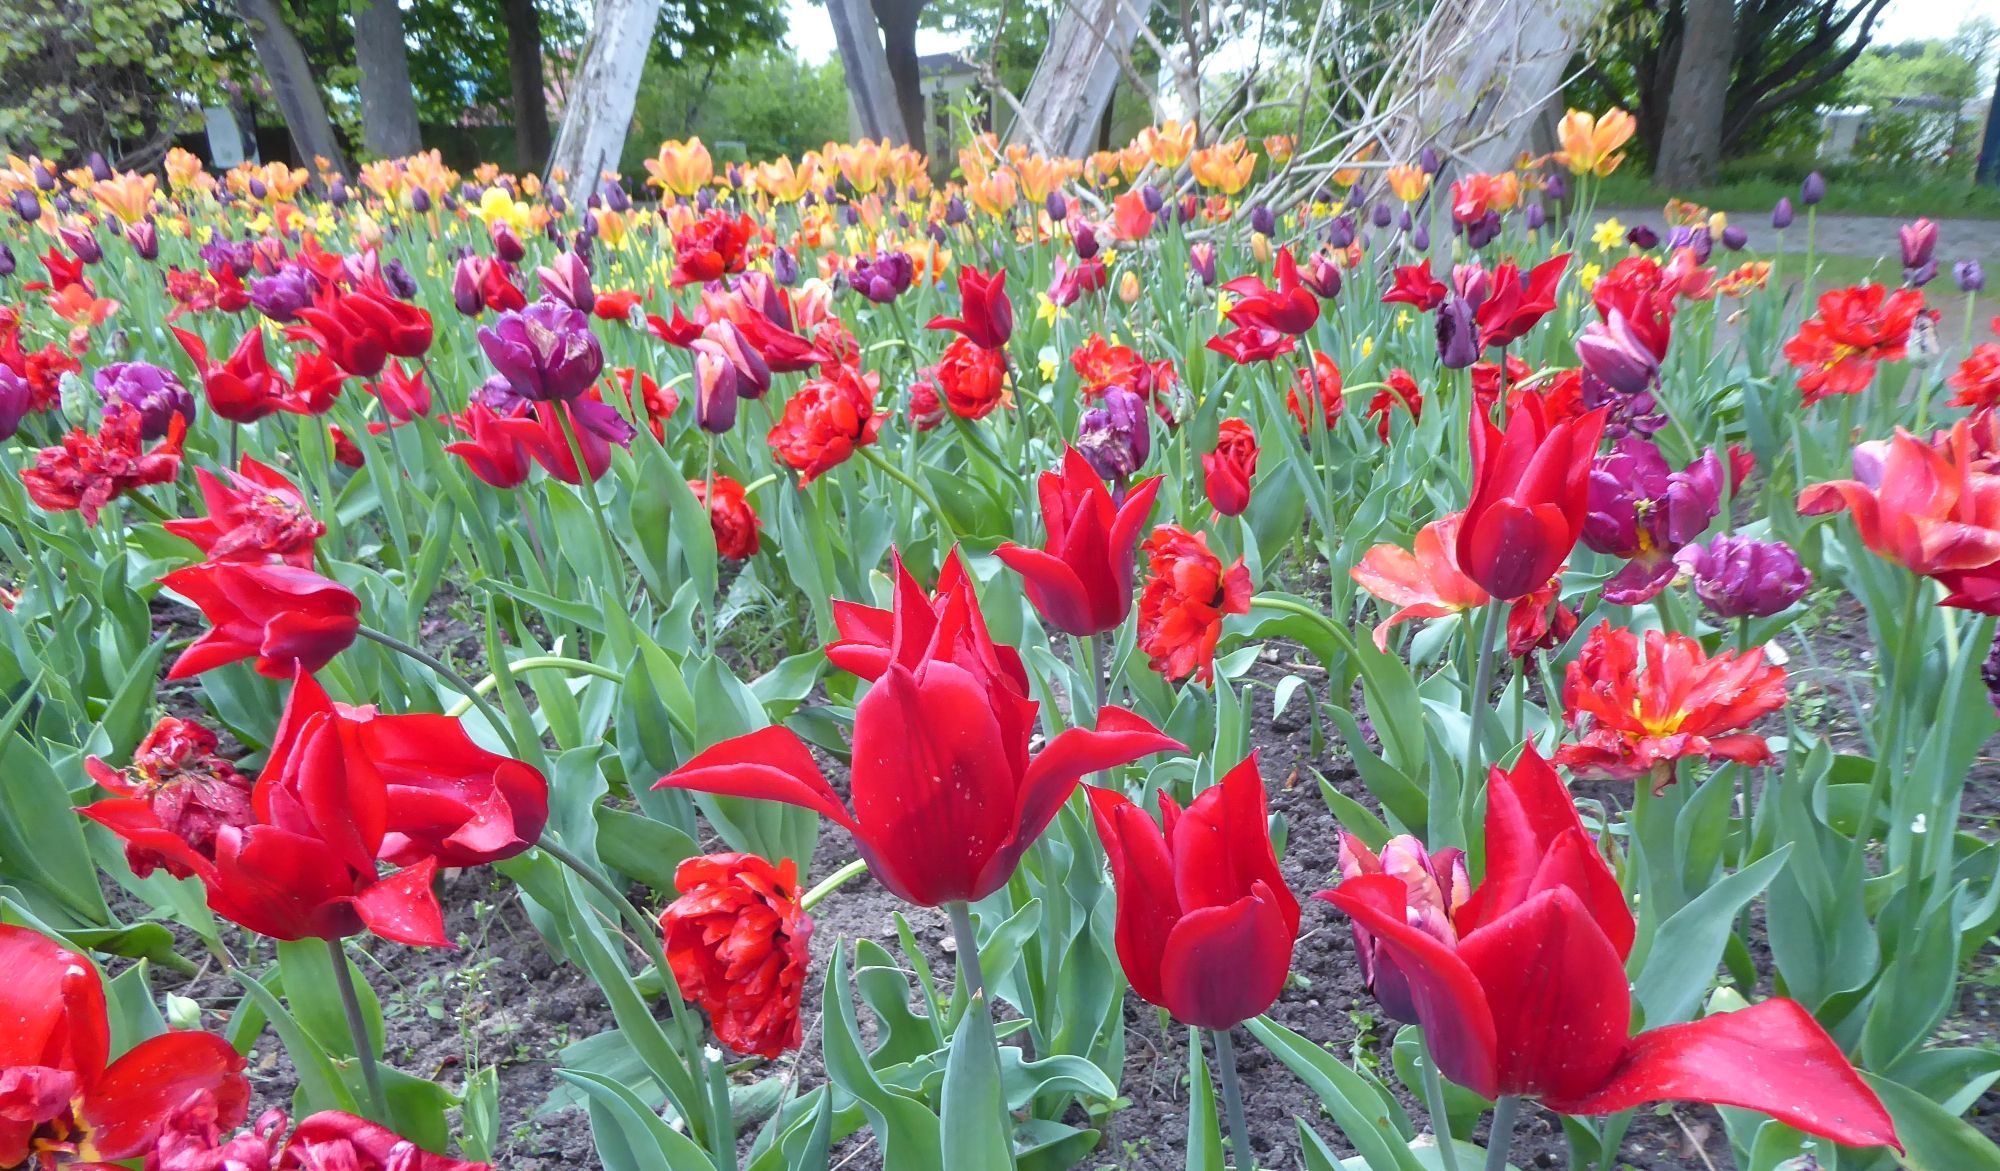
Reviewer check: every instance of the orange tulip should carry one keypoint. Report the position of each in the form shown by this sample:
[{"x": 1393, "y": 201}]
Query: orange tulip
[
  {"x": 1167, "y": 144},
  {"x": 681, "y": 167},
  {"x": 1408, "y": 182},
  {"x": 1226, "y": 166},
  {"x": 129, "y": 196},
  {"x": 1591, "y": 145}
]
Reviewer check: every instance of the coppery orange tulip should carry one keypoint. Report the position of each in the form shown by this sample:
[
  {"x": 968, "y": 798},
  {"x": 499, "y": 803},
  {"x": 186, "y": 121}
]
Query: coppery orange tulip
[
  {"x": 1591, "y": 145},
  {"x": 1408, "y": 182},
  {"x": 681, "y": 167},
  {"x": 1279, "y": 148},
  {"x": 1349, "y": 176},
  {"x": 128, "y": 196},
  {"x": 1224, "y": 167},
  {"x": 183, "y": 169},
  {"x": 1167, "y": 144}
]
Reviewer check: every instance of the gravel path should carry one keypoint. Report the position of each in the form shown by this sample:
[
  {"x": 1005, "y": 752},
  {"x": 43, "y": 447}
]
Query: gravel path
[{"x": 1853, "y": 235}]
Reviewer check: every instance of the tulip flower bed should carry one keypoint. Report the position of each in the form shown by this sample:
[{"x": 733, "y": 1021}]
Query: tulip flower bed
[{"x": 806, "y": 664}]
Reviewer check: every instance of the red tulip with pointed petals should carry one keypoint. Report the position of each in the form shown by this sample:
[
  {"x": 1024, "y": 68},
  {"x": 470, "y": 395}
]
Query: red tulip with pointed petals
[
  {"x": 1287, "y": 307},
  {"x": 282, "y": 616},
  {"x": 946, "y": 795},
  {"x": 1080, "y": 580},
  {"x": 985, "y": 315},
  {"x": 1517, "y": 301},
  {"x": 1530, "y": 495},
  {"x": 1522, "y": 990},
  {"x": 1205, "y": 922}
]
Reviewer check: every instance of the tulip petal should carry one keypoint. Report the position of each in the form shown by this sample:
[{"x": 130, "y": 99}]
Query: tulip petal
[
  {"x": 1222, "y": 845},
  {"x": 1771, "y": 1057},
  {"x": 1054, "y": 588},
  {"x": 1451, "y": 1004},
  {"x": 1119, "y": 738},
  {"x": 770, "y": 764},
  {"x": 403, "y": 908},
  {"x": 52, "y": 1009},
  {"x": 372, "y": 1145},
  {"x": 125, "y": 1110},
  {"x": 1563, "y": 1008},
  {"x": 1143, "y": 873},
  {"x": 1224, "y": 965}
]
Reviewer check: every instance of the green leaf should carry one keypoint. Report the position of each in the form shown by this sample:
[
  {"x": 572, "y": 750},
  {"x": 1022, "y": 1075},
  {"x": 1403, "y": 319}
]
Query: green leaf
[
  {"x": 320, "y": 1084},
  {"x": 972, "y": 1114},
  {"x": 905, "y": 1129},
  {"x": 629, "y": 1136},
  {"x": 1355, "y": 1107},
  {"x": 313, "y": 994},
  {"x": 641, "y": 848},
  {"x": 1933, "y": 1140},
  {"x": 1680, "y": 964},
  {"x": 41, "y": 840},
  {"x": 1204, "y": 1132}
]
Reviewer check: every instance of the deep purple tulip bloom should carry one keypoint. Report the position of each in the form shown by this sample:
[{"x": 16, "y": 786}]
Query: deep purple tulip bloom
[
  {"x": 1381, "y": 216},
  {"x": 954, "y": 211},
  {"x": 1056, "y": 206},
  {"x": 1781, "y": 215},
  {"x": 151, "y": 390},
  {"x": 16, "y": 396},
  {"x": 1812, "y": 190},
  {"x": 1457, "y": 334},
  {"x": 1644, "y": 511},
  {"x": 82, "y": 244},
  {"x": 1642, "y": 237},
  {"x": 1484, "y": 230},
  {"x": 144, "y": 237},
  {"x": 281, "y": 295},
  {"x": 546, "y": 351},
  {"x": 1618, "y": 356},
  {"x": 1084, "y": 237},
  {"x": 1320, "y": 274},
  {"x": 1263, "y": 220},
  {"x": 1737, "y": 577},
  {"x": 882, "y": 278},
  {"x": 1735, "y": 238},
  {"x": 1340, "y": 233},
  {"x": 6, "y": 261},
  {"x": 1969, "y": 274},
  {"x": 1115, "y": 436},
  {"x": 615, "y": 197}
]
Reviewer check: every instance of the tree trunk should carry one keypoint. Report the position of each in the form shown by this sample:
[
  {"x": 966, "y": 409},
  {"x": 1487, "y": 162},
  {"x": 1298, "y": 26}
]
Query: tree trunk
[
  {"x": 600, "y": 100},
  {"x": 1989, "y": 143},
  {"x": 1691, "y": 145},
  {"x": 871, "y": 92},
  {"x": 898, "y": 19},
  {"x": 388, "y": 104},
  {"x": 530, "y": 86},
  {"x": 285, "y": 66},
  {"x": 1070, "y": 95},
  {"x": 1481, "y": 75}
]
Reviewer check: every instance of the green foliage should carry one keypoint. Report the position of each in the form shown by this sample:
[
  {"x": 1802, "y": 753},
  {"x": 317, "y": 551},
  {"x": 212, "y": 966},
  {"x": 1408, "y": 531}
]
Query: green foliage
[
  {"x": 754, "y": 105},
  {"x": 112, "y": 75}
]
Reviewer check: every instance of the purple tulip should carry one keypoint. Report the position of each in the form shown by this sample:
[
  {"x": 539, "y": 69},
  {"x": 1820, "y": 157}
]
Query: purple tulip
[
  {"x": 784, "y": 268},
  {"x": 1534, "y": 217},
  {"x": 1421, "y": 238},
  {"x": 1919, "y": 241},
  {"x": 1557, "y": 188},
  {"x": 1484, "y": 230},
  {"x": 258, "y": 190},
  {"x": 420, "y": 200},
  {"x": 1321, "y": 275},
  {"x": 465, "y": 282},
  {"x": 715, "y": 381},
  {"x": 1472, "y": 284},
  {"x": 1056, "y": 206},
  {"x": 507, "y": 244},
  {"x": 336, "y": 192},
  {"x": 99, "y": 169},
  {"x": 151, "y": 390},
  {"x": 1429, "y": 159},
  {"x": 1781, "y": 215},
  {"x": 1340, "y": 233},
  {"x": 1405, "y": 222},
  {"x": 1645, "y": 512},
  {"x": 1735, "y": 238},
  {"x": 82, "y": 243},
  {"x": 16, "y": 396},
  {"x": 281, "y": 295},
  {"x": 1737, "y": 577},
  {"x": 398, "y": 279},
  {"x": 615, "y": 197},
  {"x": 1084, "y": 237},
  {"x": 6, "y": 261},
  {"x": 1201, "y": 258},
  {"x": 144, "y": 237},
  {"x": 1613, "y": 352},
  {"x": 1263, "y": 221},
  {"x": 1812, "y": 190},
  {"x": 1381, "y": 216},
  {"x": 954, "y": 211},
  {"x": 1642, "y": 237},
  {"x": 1971, "y": 277},
  {"x": 1115, "y": 436},
  {"x": 238, "y": 256},
  {"x": 882, "y": 278},
  {"x": 567, "y": 279},
  {"x": 1151, "y": 197},
  {"x": 1457, "y": 334},
  {"x": 546, "y": 351}
]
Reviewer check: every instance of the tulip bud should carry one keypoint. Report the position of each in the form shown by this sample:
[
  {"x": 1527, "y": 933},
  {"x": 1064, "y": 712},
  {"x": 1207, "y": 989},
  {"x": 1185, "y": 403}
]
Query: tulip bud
[
  {"x": 954, "y": 211},
  {"x": 1421, "y": 238},
  {"x": 1812, "y": 190},
  {"x": 507, "y": 244},
  {"x": 1557, "y": 188},
  {"x": 1919, "y": 243},
  {"x": 465, "y": 281},
  {"x": 1613, "y": 352},
  {"x": 257, "y": 189},
  {"x": 567, "y": 279},
  {"x": 1430, "y": 161},
  {"x": 851, "y": 216},
  {"x": 1186, "y": 210},
  {"x": 1534, "y": 217},
  {"x": 420, "y": 200},
  {"x": 336, "y": 192},
  {"x": 615, "y": 197},
  {"x": 1151, "y": 197},
  {"x": 26, "y": 206},
  {"x": 182, "y": 1012},
  {"x": 1970, "y": 276},
  {"x": 7, "y": 261},
  {"x": 784, "y": 269},
  {"x": 704, "y": 200},
  {"x": 1262, "y": 221},
  {"x": 1340, "y": 233},
  {"x": 1201, "y": 258},
  {"x": 144, "y": 236},
  {"x": 1642, "y": 237},
  {"x": 99, "y": 169},
  {"x": 83, "y": 243},
  {"x": 1260, "y": 248},
  {"x": 1484, "y": 230},
  {"x": 1321, "y": 275},
  {"x": 1381, "y": 216},
  {"x": 1085, "y": 239},
  {"x": 1405, "y": 221},
  {"x": 715, "y": 388},
  {"x": 1735, "y": 238},
  {"x": 1056, "y": 206},
  {"x": 16, "y": 397},
  {"x": 1457, "y": 334},
  {"x": 1128, "y": 287},
  {"x": 45, "y": 176},
  {"x": 1736, "y": 577}
]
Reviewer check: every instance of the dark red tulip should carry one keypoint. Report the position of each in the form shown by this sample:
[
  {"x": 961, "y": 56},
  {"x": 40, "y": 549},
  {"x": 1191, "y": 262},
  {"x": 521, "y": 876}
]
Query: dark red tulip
[
  {"x": 284, "y": 617},
  {"x": 946, "y": 795},
  {"x": 1530, "y": 495},
  {"x": 1521, "y": 988},
  {"x": 985, "y": 315},
  {"x": 1289, "y": 307},
  {"x": 1416, "y": 287},
  {"x": 1518, "y": 301},
  {"x": 1205, "y": 922},
  {"x": 1080, "y": 580},
  {"x": 1227, "y": 471}
]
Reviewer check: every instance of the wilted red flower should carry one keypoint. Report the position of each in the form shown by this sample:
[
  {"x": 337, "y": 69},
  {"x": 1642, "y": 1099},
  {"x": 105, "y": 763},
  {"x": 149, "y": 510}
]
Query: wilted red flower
[
  {"x": 257, "y": 515},
  {"x": 730, "y": 515},
  {"x": 1639, "y": 719},
  {"x": 947, "y": 797},
  {"x": 63, "y": 1100},
  {"x": 345, "y": 453},
  {"x": 739, "y": 945},
  {"x": 285, "y": 618},
  {"x": 1187, "y": 592},
  {"x": 193, "y": 791},
  {"x": 1323, "y": 385},
  {"x": 711, "y": 247},
  {"x": 1100, "y": 365},
  {"x": 306, "y": 867},
  {"x": 1413, "y": 285},
  {"x": 1977, "y": 379},
  {"x": 1227, "y": 471},
  {"x": 1080, "y": 580},
  {"x": 985, "y": 315},
  {"x": 1530, "y": 495},
  {"x": 1522, "y": 985},
  {"x": 1205, "y": 923},
  {"x": 827, "y": 421},
  {"x": 1288, "y": 307},
  {"x": 86, "y": 472},
  {"x": 974, "y": 380},
  {"x": 1401, "y": 391},
  {"x": 1836, "y": 351}
]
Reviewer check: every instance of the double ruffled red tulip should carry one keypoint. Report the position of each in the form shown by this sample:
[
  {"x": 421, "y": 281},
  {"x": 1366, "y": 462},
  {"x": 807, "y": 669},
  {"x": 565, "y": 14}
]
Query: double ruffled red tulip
[
  {"x": 1288, "y": 307},
  {"x": 829, "y": 419},
  {"x": 360, "y": 328},
  {"x": 1080, "y": 580},
  {"x": 739, "y": 945},
  {"x": 1426, "y": 582},
  {"x": 985, "y": 315},
  {"x": 946, "y": 794},
  {"x": 193, "y": 792},
  {"x": 1521, "y": 988},
  {"x": 1187, "y": 593},
  {"x": 63, "y": 1101},
  {"x": 974, "y": 381},
  {"x": 331, "y": 1140},
  {"x": 1227, "y": 471},
  {"x": 1640, "y": 719},
  {"x": 284, "y": 617},
  {"x": 1530, "y": 495},
  {"x": 86, "y": 472},
  {"x": 730, "y": 515},
  {"x": 1205, "y": 922},
  {"x": 1837, "y": 350},
  {"x": 711, "y": 247},
  {"x": 257, "y": 515}
]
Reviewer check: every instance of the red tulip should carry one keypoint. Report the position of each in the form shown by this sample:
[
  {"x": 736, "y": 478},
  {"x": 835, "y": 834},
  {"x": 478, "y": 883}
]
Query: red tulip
[
  {"x": 1186, "y": 595},
  {"x": 826, "y": 421},
  {"x": 1521, "y": 990},
  {"x": 1289, "y": 307},
  {"x": 1530, "y": 494},
  {"x": 985, "y": 315},
  {"x": 194, "y": 792},
  {"x": 1205, "y": 922},
  {"x": 1518, "y": 302},
  {"x": 360, "y": 328},
  {"x": 1080, "y": 580},
  {"x": 257, "y": 516},
  {"x": 243, "y": 389},
  {"x": 946, "y": 795},
  {"x": 1247, "y": 344},
  {"x": 729, "y": 514},
  {"x": 63, "y": 1102},
  {"x": 85, "y": 472},
  {"x": 974, "y": 381},
  {"x": 404, "y": 394},
  {"x": 1416, "y": 287},
  {"x": 283, "y": 617},
  {"x": 1227, "y": 471},
  {"x": 327, "y": 1141},
  {"x": 1320, "y": 383},
  {"x": 739, "y": 945},
  {"x": 711, "y": 248},
  {"x": 494, "y": 454}
]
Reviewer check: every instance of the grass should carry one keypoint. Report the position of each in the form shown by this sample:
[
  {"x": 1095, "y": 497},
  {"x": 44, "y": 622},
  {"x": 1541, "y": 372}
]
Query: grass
[{"x": 1853, "y": 189}]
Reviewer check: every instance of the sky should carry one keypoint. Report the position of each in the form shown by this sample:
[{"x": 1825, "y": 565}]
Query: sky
[{"x": 811, "y": 34}]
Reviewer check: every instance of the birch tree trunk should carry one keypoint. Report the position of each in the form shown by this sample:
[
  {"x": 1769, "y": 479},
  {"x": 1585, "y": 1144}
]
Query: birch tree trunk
[
  {"x": 530, "y": 86},
  {"x": 600, "y": 99},
  {"x": 388, "y": 105},
  {"x": 284, "y": 63},
  {"x": 871, "y": 92},
  {"x": 1071, "y": 91}
]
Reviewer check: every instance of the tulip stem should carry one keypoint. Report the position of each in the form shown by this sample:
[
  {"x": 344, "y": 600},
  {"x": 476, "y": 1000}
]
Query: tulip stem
[
  {"x": 587, "y": 487},
  {"x": 458, "y": 682},
  {"x": 831, "y": 883},
  {"x": 1500, "y": 1136},
  {"x": 1482, "y": 683},
  {"x": 364, "y": 1046},
  {"x": 968, "y": 944},
  {"x": 897, "y": 474},
  {"x": 1434, "y": 1103},
  {"x": 1232, "y": 1100},
  {"x": 538, "y": 663}
]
